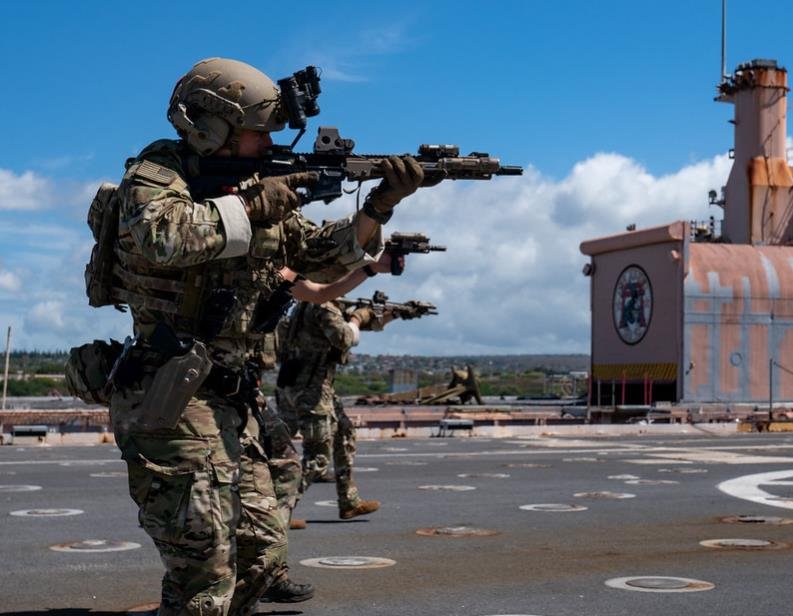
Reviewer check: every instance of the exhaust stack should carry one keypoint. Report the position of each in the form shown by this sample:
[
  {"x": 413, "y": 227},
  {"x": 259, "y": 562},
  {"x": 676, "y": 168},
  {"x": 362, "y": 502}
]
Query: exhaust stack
[{"x": 758, "y": 207}]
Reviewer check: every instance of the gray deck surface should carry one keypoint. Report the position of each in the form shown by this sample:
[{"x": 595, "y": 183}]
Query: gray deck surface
[{"x": 540, "y": 563}]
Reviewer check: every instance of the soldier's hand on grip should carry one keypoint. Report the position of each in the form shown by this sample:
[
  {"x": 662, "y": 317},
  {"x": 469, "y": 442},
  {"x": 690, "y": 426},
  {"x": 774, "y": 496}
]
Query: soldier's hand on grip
[
  {"x": 272, "y": 198},
  {"x": 364, "y": 316},
  {"x": 403, "y": 176},
  {"x": 388, "y": 264}
]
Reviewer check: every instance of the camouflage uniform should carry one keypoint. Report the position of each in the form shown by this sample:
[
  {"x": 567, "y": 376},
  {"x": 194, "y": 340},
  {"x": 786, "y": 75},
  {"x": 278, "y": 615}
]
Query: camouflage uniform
[
  {"x": 284, "y": 464},
  {"x": 283, "y": 458},
  {"x": 316, "y": 339},
  {"x": 204, "y": 492}
]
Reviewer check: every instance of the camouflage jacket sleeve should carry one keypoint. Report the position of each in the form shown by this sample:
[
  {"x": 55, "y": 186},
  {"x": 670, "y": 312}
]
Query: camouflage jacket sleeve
[
  {"x": 169, "y": 227},
  {"x": 338, "y": 332},
  {"x": 326, "y": 253}
]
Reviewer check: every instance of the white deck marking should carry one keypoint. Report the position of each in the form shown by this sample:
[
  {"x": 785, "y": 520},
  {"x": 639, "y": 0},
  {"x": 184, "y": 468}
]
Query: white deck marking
[
  {"x": 721, "y": 457},
  {"x": 67, "y": 462},
  {"x": 748, "y": 488},
  {"x": 654, "y": 461},
  {"x": 669, "y": 454},
  {"x": 556, "y": 443}
]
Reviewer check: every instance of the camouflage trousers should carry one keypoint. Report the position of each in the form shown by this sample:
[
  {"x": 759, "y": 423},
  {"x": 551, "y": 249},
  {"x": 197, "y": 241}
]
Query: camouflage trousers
[
  {"x": 206, "y": 499},
  {"x": 261, "y": 533},
  {"x": 328, "y": 437},
  {"x": 284, "y": 463}
]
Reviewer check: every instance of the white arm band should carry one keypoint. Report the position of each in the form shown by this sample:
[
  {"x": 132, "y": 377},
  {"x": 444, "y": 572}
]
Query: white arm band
[
  {"x": 356, "y": 333},
  {"x": 236, "y": 226}
]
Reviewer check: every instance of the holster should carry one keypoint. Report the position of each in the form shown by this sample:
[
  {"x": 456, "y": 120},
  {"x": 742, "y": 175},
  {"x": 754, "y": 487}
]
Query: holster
[{"x": 174, "y": 383}]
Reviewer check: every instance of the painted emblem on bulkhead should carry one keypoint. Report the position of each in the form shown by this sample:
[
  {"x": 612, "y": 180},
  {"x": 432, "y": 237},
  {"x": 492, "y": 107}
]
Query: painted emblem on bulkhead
[{"x": 633, "y": 304}]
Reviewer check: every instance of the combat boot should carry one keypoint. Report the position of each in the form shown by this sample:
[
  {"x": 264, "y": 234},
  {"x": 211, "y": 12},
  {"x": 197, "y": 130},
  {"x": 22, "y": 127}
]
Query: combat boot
[
  {"x": 297, "y": 524},
  {"x": 286, "y": 591},
  {"x": 362, "y": 508}
]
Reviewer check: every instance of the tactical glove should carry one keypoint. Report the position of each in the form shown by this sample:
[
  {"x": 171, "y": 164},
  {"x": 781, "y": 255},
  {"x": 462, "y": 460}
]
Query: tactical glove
[
  {"x": 403, "y": 176},
  {"x": 272, "y": 198},
  {"x": 366, "y": 317},
  {"x": 368, "y": 320}
]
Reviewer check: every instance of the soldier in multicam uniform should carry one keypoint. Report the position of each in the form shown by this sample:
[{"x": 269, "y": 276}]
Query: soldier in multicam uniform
[
  {"x": 193, "y": 263},
  {"x": 314, "y": 340}
]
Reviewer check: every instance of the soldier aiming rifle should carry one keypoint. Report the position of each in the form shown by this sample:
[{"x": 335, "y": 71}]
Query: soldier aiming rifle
[
  {"x": 314, "y": 340},
  {"x": 203, "y": 242}
]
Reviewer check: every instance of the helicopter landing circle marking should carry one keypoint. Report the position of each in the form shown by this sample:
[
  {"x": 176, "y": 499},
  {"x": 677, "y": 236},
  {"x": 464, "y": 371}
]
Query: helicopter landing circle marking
[{"x": 748, "y": 488}]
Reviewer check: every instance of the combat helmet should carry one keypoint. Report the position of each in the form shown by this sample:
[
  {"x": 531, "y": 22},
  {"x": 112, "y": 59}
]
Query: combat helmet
[{"x": 218, "y": 97}]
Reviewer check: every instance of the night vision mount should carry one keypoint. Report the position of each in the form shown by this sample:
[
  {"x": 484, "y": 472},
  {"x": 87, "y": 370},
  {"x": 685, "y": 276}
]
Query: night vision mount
[{"x": 299, "y": 95}]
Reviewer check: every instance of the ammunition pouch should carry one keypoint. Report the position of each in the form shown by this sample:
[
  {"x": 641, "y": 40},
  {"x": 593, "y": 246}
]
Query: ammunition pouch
[
  {"x": 103, "y": 221},
  {"x": 88, "y": 370},
  {"x": 266, "y": 352}
]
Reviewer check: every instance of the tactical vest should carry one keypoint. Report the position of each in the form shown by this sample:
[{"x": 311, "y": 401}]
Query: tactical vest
[
  {"x": 218, "y": 298},
  {"x": 306, "y": 355}
]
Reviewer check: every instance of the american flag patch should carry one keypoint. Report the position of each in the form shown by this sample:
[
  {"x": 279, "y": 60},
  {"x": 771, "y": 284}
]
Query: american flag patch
[{"x": 155, "y": 173}]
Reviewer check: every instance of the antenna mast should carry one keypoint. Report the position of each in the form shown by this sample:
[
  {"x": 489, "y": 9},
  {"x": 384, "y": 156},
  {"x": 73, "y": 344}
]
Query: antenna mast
[
  {"x": 5, "y": 372},
  {"x": 724, "y": 75}
]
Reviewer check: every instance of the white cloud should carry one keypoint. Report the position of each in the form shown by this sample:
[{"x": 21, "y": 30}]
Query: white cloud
[
  {"x": 30, "y": 191},
  {"x": 9, "y": 281},
  {"x": 352, "y": 57},
  {"x": 511, "y": 279},
  {"x": 62, "y": 162},
  {"x": 46, "y": 316},
  {"x": 27, "y": 191}
]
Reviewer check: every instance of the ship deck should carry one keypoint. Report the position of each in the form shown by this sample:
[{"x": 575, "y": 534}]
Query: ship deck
[{"x": 538, "y": 562}]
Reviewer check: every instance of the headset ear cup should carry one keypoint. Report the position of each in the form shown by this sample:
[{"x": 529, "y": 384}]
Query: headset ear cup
[{"x": 208, "y": 134}]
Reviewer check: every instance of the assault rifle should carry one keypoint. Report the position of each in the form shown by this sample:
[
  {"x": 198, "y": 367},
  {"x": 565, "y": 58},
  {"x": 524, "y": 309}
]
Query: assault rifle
[
  {"x": 334, "y": 162},
  {"x": 380, "y": 305},
  {"x": 401, "y": 244}
]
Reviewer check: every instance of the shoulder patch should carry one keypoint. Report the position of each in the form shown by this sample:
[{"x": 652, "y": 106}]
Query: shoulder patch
[{"x": 156, "y": 173}]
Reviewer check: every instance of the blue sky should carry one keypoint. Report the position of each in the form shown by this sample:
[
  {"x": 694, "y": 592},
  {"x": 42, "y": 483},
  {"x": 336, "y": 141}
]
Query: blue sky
[{"x": 555, "y": 87}]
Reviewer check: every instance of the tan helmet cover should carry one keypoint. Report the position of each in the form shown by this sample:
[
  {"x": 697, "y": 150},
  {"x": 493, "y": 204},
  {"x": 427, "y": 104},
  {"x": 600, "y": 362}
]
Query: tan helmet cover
[{"x": 218, "y": 96}]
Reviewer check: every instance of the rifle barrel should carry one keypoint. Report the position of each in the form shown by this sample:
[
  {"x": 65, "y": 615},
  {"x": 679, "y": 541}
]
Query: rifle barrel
[{"x": 509, "y": 170}]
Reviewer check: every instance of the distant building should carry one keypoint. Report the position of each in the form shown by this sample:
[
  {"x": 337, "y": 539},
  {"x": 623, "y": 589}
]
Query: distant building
[
  {"x": 682, "y": 313},
  {"x": 401, "y": 380}
]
